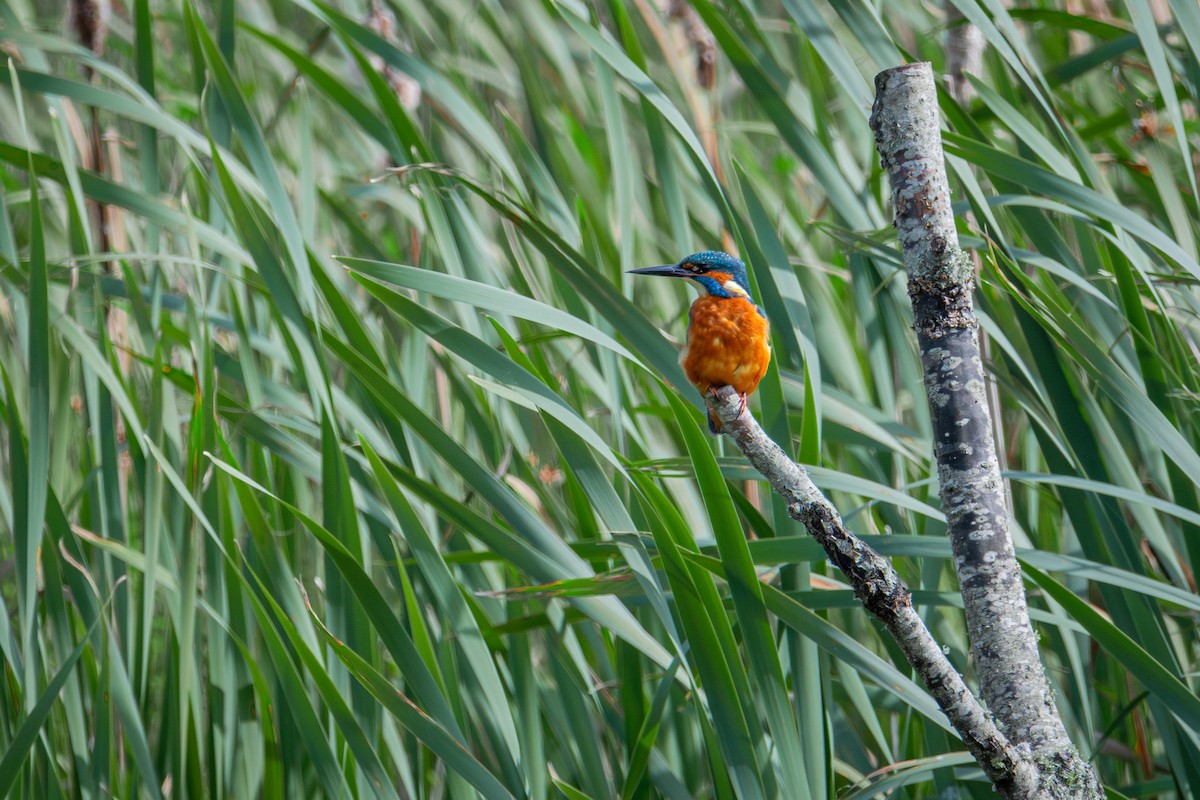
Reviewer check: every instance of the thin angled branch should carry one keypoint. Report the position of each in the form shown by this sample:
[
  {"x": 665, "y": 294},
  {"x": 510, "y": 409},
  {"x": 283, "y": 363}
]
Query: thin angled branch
[
  {"x": 880, "y": 590},
  {"x": 906, "y": 122}
]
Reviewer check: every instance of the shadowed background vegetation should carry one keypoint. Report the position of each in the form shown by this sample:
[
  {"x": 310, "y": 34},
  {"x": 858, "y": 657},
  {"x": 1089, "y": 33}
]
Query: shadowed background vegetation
[{"x": 320, "y": 485}]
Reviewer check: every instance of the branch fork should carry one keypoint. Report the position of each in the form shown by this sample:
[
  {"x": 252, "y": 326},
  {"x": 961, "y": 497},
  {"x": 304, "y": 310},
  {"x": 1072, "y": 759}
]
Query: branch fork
[
  {"x": 881, "y": 591},
  {"x": 1021, "y": 743}
]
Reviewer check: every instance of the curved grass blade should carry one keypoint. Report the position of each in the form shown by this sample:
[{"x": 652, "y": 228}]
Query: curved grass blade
[
  {"x": 261, "y": 161},
  {"x": 909, "y": 773},
  {"x": 1149, "y": 671},
  {"x": 448, "y": 591},
  {"x": 483, "y": 296},
  {"x": 606, "y": 611},
  {"x": 1034, "y": 177},
  {"x": 408, "y": 714},
  {"x": 467, "y": 118},
  {"x": 395, "y": 638}
]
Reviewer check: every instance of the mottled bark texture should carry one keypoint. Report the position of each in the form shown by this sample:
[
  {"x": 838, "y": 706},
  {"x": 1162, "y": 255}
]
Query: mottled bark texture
[
  {"x": 880, "y": 590},
  {"x": 964, "y": 55},
  {"x": 1013, "y": 682}
]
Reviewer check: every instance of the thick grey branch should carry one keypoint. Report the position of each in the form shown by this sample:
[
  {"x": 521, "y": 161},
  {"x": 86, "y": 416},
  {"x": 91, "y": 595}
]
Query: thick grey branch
[
  {"x": 906, "y": 123},
  {"x": 881, "y": 591},
  {"x": 964, "y": 56}
]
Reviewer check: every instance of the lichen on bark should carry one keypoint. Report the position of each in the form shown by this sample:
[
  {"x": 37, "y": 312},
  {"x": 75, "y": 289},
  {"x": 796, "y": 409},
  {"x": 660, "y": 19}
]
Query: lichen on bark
[
  {"x": 906, "y": 122},
  {"x": 879, "y": 588}
]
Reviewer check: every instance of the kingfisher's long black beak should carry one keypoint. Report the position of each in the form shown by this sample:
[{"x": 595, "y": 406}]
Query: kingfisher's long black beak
[{"x": 666, "y": 270}]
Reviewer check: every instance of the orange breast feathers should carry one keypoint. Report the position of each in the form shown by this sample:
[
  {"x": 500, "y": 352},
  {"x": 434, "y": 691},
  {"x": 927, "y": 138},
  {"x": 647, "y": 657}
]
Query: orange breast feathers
[{"x": 728, "y": 344}]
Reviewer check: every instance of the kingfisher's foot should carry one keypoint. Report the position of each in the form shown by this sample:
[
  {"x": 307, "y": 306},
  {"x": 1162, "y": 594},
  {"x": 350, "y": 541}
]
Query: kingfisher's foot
[{"x": 742, "y": 405}]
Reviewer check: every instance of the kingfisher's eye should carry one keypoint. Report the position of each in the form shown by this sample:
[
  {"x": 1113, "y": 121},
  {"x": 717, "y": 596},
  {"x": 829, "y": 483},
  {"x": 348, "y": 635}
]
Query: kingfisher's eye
[{"x": 696, "y": 268}]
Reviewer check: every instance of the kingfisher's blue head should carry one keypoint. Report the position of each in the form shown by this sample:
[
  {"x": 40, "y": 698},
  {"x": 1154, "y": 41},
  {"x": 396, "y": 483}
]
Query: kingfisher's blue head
[{"x": 713, "y": 272}]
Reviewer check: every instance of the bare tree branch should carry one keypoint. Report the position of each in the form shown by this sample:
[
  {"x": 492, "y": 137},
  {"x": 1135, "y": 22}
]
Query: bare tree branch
[
  {"x": 941, "y": 279},
  {"x": 881, "y": 592}
]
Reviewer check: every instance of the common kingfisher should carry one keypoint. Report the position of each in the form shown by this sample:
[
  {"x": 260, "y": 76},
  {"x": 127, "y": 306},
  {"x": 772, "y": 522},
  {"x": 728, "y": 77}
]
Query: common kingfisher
[{"x": 728, "y": 338}]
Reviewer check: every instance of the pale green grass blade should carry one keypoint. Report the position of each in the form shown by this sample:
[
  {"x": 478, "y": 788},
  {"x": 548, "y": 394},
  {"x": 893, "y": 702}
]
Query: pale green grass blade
[
  {"x": 758, "y": 75},
  {"x": 107, "y": 192},
  {"x": 32, "y": 511},
  {"x": 609, "y": 613},
  {"x": 517, "y": 491},
  {"x": 395, "y": 638},
  {"x": 910, "y": 774},
  {"x": 808, "y": 17},
  {"x": 408, "y": 714},
  {"x": 261, "y": 161},
  {"x": 604, "y": 47},
  {"x": 854, "y": 654},
  {"x": 1087, "y": 200},
  {"x": 444, "y": 585},
  {"x": 482, "y": 296},
  {"x": 469, "y": 119}
]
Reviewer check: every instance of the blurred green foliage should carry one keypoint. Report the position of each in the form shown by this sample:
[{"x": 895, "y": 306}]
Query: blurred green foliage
[{"x": 325, "y": 480}]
